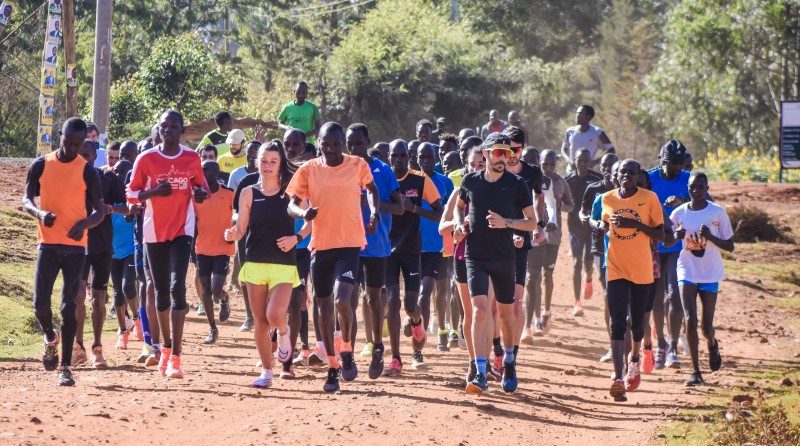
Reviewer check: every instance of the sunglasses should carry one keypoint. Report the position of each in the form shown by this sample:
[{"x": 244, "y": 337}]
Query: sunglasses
[{"x": 497, "y": 153}]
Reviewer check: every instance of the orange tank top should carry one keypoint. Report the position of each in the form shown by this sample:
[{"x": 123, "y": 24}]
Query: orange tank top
[{"x": 62, "y": 192}]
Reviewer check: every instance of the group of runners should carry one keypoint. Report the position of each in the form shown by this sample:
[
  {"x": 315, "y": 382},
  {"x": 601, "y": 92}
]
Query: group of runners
[{"x": 323, "y": 220}]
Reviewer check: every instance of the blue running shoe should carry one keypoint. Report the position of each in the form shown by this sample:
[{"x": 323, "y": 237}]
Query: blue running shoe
[
  {"x": 509, "y": 381},
  {"x": 478, "y": 385}
]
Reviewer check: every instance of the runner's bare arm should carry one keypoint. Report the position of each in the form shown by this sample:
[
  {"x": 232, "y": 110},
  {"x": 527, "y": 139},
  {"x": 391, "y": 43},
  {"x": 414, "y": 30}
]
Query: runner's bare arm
[
  {"x": 567, "y": 200},
  {"x": 435, "y": 214},
  {"x": 395, "y": 206},
  {"x": 239, "y": 228},
  {"x": 447, "y": 223},
  {"x": 725, "y": 245},
  {"x": 296, "y": 209}
]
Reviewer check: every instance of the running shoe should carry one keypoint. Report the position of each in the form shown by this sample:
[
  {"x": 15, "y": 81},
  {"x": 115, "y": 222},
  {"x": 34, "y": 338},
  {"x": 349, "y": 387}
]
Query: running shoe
[
  {"x": 632, "y": 378},
  {"x": 224, "y": 310},
  {"x": 472, "y": 370},
  {"x": 302, "y": 357},
  {"x": 683, "y": 344},
  {"x": 546, "y": 324},
  {"x": 444, "y": 342},
  {"x": 287, "y": 372},
  {"x": 112, "y": 312},
  {"x": 538, "y": 328},
  {"x": 264, "y": 380},
  {"x": 122, "y": 339},
  {"x": 174, "y": 370},
  {"x": 65, "y": 377},
  {"x": 661, "y": 358},
  {"x": 284, "y": 344},
  {"x": 376, "y": 365},
  {"x": 648, "y": 360},
  {"x": 714, "y": 358},
  {"x": 154, "y": 357},
  {"x": 695, "y": 379},
  {"x": 577, "y": 311},
  {"x": 247, "y": 325},
  {"x": 144, "y": 354},
  {"x": 129, "y": 324},
  {"x": 201, "y": 310},
  {"x": 462, "y": 342},
  {"x": 418, "y": 334},
  {"x": 478, "y": 385},
  {"x": 164, "y": 360},
  {"x": 454, "y": 339},
  {"x": 366, "y": 352},
  {"x": 672, "y": 360},
  {"x": 98, "y": 361},
  {"x": 50, "y": 356},
  {"x": 617, "y": 390},
  {"x": 527, "y": 336},
  {"x": 332, "y": 382},
  {"x": 395, "y": 368},
  {"x": 587, "y": 290},
  {"x": 509, "y": 381},
  {"x": 318, "y": 358},
  {"x": 212, "y": 336},
  {"x": 607, "y": 357},
  {"x": 78, "y": 355},
  {"x": 497, "y": 367},
  {"x": 407, "y": 327},
  {"x": 349, "y": 369},
  {"x": 137, "y": 329},
  {"x": 418, "y": 361}
]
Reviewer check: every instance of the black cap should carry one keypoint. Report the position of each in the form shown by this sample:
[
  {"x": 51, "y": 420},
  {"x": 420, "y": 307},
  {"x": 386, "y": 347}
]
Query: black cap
[
  {"x": 673, "y": 151},
  {"x": 495, "y": 139}
]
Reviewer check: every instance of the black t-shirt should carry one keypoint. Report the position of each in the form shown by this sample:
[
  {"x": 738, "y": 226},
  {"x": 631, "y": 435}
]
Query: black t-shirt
[
  {"x": 592, "y": 191},
  {"x": 269, "y": 221},
  {"x": 532, "y": 175},
  {"x": 101, "y": 237},
  {"x": 577, "y": 185},
  {"x": 507, "y": 196},
  {"x": 405, "y": 236}
]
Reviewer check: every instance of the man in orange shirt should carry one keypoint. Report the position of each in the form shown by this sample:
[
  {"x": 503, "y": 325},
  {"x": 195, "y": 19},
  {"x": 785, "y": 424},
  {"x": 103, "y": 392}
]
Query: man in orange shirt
[
  {"x": 65, "y": 184},
  {"x": 333, "y": 183},
  {"x": 213, "y": 252}
]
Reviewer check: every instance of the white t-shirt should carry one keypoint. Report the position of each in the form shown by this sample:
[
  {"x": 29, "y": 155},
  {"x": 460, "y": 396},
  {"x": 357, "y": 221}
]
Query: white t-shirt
[
  {"x": 589, "y": 140},
  {"x": 692, "y": 266}
]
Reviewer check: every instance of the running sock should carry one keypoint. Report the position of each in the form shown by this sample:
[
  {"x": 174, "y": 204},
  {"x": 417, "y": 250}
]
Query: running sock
[
  {"x": 508, "y": 357},
  {"x": 346, "y": 347},
  {"x": 498, "y": 348},
  {"x": 480, "y": 364},
  {"x": 443, "y": 331},
  {"x": 320, "y": 346},
  {"x": 378, "y": 346},
  {"x": 618, "y": 356}
]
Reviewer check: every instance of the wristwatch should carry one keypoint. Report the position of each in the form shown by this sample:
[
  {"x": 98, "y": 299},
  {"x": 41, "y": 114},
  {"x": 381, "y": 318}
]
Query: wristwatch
[
  {"x": 299, "y": 238},
  {"x": 541, "y": 224}
]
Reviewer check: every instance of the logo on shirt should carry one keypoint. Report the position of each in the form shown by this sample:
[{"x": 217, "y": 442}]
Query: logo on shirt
[
  {"x": 412, "y": 193},
  {"x": 178, "y": 179},
  {"x": 625, "y": 233}
]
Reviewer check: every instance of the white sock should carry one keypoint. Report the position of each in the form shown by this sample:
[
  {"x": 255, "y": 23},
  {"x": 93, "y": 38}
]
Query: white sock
[{"x": 320, "y": 345}]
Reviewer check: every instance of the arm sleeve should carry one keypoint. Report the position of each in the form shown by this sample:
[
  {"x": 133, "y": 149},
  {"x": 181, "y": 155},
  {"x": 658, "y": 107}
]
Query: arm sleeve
[
  {"x": 429, "y": 191},
  {"x": 298, "y": 186},
  {"x": 34, "y": 174}
]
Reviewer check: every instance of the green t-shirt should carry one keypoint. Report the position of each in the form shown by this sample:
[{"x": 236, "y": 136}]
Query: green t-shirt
[
  {"x": 217, "y": 139},
  {"x": 300, "y": 117}
]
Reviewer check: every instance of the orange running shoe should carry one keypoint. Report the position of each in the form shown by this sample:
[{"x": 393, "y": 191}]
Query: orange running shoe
[
  {"x": 137, "y": 329},
  {"x": 394, "y": 369},
  {"x": 587, "y": 290},
  {"x": 166, "y": 352},
  {"x": 648, "y": 360},
  {"x": 174, "y": 370},
  {"x": 122, "y": 339}
]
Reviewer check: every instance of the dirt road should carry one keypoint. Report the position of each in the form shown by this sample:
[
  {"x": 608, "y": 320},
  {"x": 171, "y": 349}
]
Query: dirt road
[{"x": 562, "y": 398}]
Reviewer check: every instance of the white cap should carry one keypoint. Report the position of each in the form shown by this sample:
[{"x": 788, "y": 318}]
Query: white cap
[{"x": 235, "y": 136}]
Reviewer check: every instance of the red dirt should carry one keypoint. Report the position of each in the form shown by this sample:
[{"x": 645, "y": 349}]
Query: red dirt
[{"x": 563, "y": 395}]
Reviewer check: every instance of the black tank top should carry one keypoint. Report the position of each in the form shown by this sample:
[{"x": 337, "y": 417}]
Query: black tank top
[{"x": 269, "y": 221}]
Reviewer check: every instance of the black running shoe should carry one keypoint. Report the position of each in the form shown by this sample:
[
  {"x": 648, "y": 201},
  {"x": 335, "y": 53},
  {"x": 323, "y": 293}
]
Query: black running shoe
[
  {"x": 418, "y": 361},
  {"x": 376, "y": 365},
  {"x": 349, "y": 369},
  {"x": 212, "y": 336},
  {"x": 714, "y": 358},
  {"x": 65, "y": 378},
  {"x": 444, "y": 345},
  {"x": 332, "y": 383},
  {"x": 472, "y": 371},
  {"x": 50, "y": 357},
  {"x": 695, "y": 379},
  {"x": 224, "y": 310}
]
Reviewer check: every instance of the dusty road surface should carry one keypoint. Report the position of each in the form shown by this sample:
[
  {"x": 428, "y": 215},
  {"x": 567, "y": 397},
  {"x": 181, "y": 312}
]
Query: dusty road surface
[{"x": 562, "y": 398}]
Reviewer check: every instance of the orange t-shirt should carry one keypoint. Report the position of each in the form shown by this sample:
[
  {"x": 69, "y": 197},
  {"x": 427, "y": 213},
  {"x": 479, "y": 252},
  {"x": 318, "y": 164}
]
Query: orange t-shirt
[
  {"x": 336, "y": 192},
  {"x": 628, "y": 255},
  {"x": 213, "y": 217},
  {"x": 62, "y": 191}
]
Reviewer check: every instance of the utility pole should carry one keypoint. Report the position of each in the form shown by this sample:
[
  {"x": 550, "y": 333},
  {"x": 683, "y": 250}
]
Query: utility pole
[
  {"x": 102, "y": 68},
  {"x": 453, "y": 11},
  {"x": 68, "y": 19}
]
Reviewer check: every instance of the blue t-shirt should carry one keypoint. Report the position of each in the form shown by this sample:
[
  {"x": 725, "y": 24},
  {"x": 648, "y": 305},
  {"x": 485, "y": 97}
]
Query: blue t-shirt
[
  {"x": 597, "y": 214},
  {"x": 429, "y": 229},
  {"x": 378, "y": 244},
  {"x": 678, "y": 186},
  {"x": 236, "y": 177},
  {"x": 124, "y": 240},
  {"x": 298, "y": 225}
]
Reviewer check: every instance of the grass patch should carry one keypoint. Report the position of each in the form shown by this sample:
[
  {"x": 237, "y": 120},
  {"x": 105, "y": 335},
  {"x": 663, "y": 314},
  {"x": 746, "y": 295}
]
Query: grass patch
[{"x": 791, "y": 278}]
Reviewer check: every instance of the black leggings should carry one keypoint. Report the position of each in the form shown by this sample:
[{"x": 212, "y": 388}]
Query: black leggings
[
  {"x": 48, "y": 263},
  {"x": 689, "y": 294},
  {"x": 123, "y": 278},
  {"x": 624, "y": 297},
  {"x": 169, "y": 262}
]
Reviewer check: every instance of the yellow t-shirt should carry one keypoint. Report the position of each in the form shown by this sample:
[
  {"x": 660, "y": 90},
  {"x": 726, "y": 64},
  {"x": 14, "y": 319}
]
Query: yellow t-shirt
[
  {"x": 628, "y": 254},
  {"x": 456, "y": 176},
  {"x": 228, "y": 163}
]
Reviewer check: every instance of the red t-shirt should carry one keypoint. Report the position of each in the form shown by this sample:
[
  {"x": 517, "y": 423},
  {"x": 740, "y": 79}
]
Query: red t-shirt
[{"x": 166, "y": 218}]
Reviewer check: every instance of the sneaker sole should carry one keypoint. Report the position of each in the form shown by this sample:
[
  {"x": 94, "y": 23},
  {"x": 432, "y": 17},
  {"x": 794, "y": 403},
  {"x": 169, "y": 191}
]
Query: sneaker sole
[
  {"x": 422, "y": 366},
  {"x": 473, "y": 389}
]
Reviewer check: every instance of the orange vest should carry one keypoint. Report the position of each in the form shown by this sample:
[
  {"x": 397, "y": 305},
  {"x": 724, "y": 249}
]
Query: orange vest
[{"x": 62, "y": 192}]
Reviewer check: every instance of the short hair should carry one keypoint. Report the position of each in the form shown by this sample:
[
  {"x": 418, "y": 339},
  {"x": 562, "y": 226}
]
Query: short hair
[
  {"x": 92, "y": 126},
  {"x": 220, "y": 117},
  {"x": 210, "y": 147},
  {"x": 175, "y": 113},
  {"x": 589, "y": 109},
  {"x": 449, "y": 137},
  {"x": 374, "y": 152},
  {"x": 699, "y": 175},
  {"x": 359, "y": 127},
  {"x": 516, "y": 134},
  {"x": 422, "y": 122},
  {"x": 301, "y": 84},
  {"x": 583, "y": 150},
  {"x": 475, "y": 140},
  {"x": 116, "y": 145},
  {"x": 75, "y": 125},
  {"x": 333, "y": 126}
]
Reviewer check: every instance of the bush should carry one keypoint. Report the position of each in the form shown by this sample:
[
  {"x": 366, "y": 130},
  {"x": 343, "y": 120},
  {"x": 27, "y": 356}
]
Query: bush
[
  {"x": 751, "y": 224},
  {"x": 759, "y": 423},
  {"x": 746, "y": 164}
]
